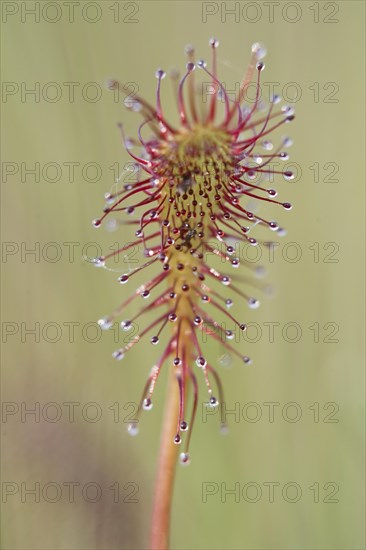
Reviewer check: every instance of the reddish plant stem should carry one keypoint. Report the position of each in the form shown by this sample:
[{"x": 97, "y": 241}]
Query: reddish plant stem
[{"x": 163, "y": 494}]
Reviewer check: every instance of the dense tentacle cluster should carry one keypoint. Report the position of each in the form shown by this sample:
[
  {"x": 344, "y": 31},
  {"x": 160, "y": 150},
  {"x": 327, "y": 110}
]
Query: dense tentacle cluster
[{"x": 188, "y": 206}]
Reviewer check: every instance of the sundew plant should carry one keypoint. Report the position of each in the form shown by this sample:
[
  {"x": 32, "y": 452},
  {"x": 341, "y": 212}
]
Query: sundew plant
[{"x": 196, "y": 199}]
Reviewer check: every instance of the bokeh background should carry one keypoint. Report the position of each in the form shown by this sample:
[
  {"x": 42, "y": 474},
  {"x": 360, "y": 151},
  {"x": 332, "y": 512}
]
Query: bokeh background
[{"x": 317, "y": 380}]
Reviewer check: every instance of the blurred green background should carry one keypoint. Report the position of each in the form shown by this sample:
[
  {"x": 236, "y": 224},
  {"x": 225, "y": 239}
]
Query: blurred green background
[{"x": 318, "y": 379}]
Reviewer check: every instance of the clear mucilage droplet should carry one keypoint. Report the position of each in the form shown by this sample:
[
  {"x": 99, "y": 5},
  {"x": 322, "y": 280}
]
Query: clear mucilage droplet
[
  {"x": 213, "y": 403},
  {"x": 259, "y": 50},
  {"x": 133, "y": 429},
  {"x": 105, "y": 323},
  {"x": 126, "y": 325},
  {"x": 99, "y": 262},
  {"x": 118, "y": 354},
  {"x": 184, "y": 459},
  {"x": 147, "y": 404},
  {"x": 253, "y": 303}
]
